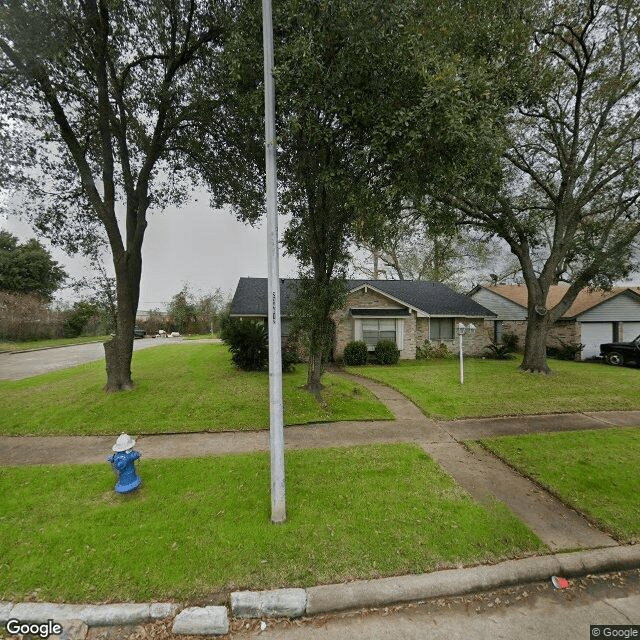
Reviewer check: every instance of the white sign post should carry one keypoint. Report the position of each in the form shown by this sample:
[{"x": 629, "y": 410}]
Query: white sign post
[
  {"x": 276, "y": 429},
  {"x": 462, "y": 329}
]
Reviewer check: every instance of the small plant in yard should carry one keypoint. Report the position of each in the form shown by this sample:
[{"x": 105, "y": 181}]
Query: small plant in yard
[
  {"x": 429, "y": 351},
  {"x": 356, "y": 353},
  {"x": 510, "y": 340},
  {"x": 498, "y": 351},
  {"x": 566, "y": 350},
  {"x": 290, "y": 358},
  {"x": 247, "y": 340},
  {"x": 387, "y": 352}
]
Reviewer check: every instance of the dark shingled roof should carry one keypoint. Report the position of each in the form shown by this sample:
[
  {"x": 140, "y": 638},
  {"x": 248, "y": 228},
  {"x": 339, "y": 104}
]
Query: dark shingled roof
[{"x": 432, "y": 298}]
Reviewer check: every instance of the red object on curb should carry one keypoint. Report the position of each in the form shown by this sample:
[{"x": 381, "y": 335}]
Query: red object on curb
[{"x": 559, "y": 583}]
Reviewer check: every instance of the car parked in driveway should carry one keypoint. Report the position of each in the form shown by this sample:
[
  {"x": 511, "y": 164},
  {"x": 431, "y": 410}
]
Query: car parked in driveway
[
  {"x": 139, "y": 333},
  {"x": 617, "y": 353}
]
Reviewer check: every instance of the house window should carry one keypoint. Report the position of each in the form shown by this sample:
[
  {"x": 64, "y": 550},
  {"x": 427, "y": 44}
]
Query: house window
[
  {"x": 441, "y": 329},
  {"x": 497, "y": 331},
  {"x": 375, "y": 330},
  {"x": 285, "y": 327}
]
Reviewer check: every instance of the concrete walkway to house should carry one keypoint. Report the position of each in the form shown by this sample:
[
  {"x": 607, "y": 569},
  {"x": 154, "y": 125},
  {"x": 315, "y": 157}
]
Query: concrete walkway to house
[{"x": 483, "y": 475}]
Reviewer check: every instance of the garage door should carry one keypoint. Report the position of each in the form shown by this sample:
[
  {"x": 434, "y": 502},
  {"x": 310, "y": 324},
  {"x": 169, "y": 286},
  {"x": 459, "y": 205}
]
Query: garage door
[
  {"x": 592, "y": 335},
  {"x": 630, "y": 330}
]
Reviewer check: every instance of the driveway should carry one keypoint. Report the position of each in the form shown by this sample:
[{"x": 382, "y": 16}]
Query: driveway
[{"x": 25, "y": 364}]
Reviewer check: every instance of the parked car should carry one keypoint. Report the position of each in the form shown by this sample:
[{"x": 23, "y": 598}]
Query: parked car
[
  {"x": 139, "y": 333},
  {"x": 618, "y": 353}
]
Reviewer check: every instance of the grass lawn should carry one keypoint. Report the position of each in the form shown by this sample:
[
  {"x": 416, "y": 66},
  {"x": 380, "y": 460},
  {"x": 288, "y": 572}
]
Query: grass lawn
[
  {"x": 43, "y": 344},
  {"x": 595, "y": 472},
  {"x": 201, "y": 525},
  {"x": 181, "y": 388},
  {"x": 497, "y": 387}
]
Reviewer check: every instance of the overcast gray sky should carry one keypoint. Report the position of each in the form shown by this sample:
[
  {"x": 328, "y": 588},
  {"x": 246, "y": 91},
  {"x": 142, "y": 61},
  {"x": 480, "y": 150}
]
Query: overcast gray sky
[{"x": 206, "y": 248}]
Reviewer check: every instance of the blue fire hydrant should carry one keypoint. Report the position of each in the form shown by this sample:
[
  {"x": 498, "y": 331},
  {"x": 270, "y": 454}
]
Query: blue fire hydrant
[{"x": 123, "y": 462}]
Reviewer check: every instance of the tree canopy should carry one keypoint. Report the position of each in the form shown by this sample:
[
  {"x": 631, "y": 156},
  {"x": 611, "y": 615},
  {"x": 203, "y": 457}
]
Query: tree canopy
[
  {"x": 119, "y": 107},
  {"x": 563, "y": 188},
  {"x": 28, "y": 267}
]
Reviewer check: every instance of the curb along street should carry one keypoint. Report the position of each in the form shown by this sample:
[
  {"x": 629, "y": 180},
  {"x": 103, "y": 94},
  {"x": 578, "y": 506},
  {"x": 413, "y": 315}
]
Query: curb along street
[{"x": 360, "y": 594}]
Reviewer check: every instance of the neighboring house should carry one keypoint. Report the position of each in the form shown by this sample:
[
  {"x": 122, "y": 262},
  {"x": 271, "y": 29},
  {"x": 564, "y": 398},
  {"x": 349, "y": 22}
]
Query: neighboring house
[
  {"x": 595, "y": 317},
  {"x": 407, "y": 312}
]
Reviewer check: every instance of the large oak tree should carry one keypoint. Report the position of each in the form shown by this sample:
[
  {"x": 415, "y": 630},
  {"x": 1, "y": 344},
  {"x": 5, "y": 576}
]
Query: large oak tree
[
  {"x": 563, "y": 191},
  {"x": 119, "y": 103}
]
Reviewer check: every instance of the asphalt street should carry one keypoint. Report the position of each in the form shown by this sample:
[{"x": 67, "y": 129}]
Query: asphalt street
[{"x": 25, "y": 364}]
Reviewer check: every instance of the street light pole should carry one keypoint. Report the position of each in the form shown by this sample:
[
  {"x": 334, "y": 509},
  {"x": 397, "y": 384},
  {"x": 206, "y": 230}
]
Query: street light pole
[{"x": 276, "y": 427}]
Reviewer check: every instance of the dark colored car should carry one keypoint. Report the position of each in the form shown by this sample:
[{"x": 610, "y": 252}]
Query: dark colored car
[
  {"x": 139, "y": 333},
  {"x": 618, "y": 353}
]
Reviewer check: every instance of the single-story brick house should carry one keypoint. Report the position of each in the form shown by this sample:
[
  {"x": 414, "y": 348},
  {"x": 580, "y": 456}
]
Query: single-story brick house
[
  {"x": 594, "y": 318},
  {"x": 409, "y": 312}
]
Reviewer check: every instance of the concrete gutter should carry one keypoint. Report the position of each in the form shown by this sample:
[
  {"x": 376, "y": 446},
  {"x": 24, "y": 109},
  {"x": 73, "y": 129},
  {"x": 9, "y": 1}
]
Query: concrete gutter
[
  {"x": 374, "y": 593},
  {"x": 359, "y": 594},
  {"x": 94, "y": 615}
]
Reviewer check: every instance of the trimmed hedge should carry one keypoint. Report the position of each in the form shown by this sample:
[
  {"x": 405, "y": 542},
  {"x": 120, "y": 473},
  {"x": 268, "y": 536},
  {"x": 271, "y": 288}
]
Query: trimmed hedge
[
  {"x": 387, "y": 352},
  {"x": 356, "y": 353}
]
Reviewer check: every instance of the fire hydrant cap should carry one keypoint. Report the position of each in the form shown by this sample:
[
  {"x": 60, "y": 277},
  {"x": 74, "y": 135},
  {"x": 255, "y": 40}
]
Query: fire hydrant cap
[{"x": 123, "y": 443}]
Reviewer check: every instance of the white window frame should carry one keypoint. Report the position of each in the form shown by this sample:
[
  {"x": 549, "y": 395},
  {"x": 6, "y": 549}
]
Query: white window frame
[{"x": 358, "y": 334}]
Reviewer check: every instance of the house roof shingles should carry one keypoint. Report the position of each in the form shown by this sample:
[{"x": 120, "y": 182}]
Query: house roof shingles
[
  {"x": 432, "y": 298},
  {"x": 585, "y": 300}
]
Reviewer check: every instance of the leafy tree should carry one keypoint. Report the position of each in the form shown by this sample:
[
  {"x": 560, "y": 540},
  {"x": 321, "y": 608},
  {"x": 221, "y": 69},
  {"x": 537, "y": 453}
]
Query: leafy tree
[
  {"x": 325, "y": 174},
  {"x": 420, "y": 247},
  {"x": 182, "y": 309},
  {"x": 564, "y": 190},
  {"x": 120, "y": 104},
  {"x": 344, "y": 70},
  {"x": 102, "y": 292},
  {"x": 28, "y": 267},
  {"x": 190, "y": 311},
  {"x": 78, "y": 318}
]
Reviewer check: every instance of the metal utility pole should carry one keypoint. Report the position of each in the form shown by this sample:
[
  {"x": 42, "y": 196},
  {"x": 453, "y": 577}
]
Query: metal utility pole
[{"x": 276, "y": 429}]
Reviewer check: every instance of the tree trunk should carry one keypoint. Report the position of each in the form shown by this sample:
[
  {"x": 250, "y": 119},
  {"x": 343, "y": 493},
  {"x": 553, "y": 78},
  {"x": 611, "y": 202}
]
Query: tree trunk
[
  {"x": 119, "y": 350},
  {"x": 535, "y": 346},
  {"x": 314, "y": 373}
]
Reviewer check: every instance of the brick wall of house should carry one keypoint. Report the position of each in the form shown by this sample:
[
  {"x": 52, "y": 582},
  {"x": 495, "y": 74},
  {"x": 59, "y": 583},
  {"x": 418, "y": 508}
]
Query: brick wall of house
[
  {"x": 371, "y": 300},
  {"x": 472, "y": 344},
  {"x": 565, "y": 330}
]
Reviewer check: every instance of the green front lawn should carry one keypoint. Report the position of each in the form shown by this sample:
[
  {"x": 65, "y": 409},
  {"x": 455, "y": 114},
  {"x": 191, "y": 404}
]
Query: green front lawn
[
  {"x": 596, "y": 472},
  {"x": 46, "y": 344},
  {"x": 497, "y": 387},
  {"x": 181, "y": 388},
  {"x": 201, "y": 525}
]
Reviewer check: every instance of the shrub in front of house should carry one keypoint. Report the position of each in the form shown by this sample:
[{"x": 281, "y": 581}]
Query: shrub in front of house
[
  {"x": 498, "y": 351},
  {"x": 429, "y": 351},
  {"x": 356, "y": 353},
  {"x": 566, "y": 351},
  {"x": 387, "y": 352},
  {"x": 290, "y": 358},
  {"x": 510, "y": 341},
  {"x": 248, "y": 343}
]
